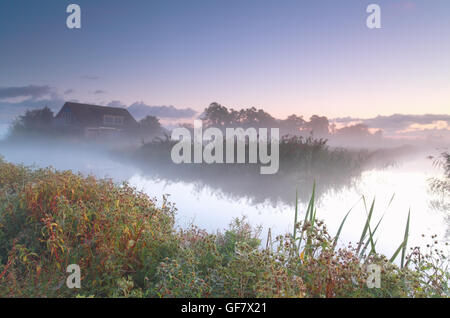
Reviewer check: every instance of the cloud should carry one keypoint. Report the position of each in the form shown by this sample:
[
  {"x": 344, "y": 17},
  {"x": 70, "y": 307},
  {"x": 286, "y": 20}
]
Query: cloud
[
  {"x": 11, "y": 110},
  {"x": 90, "y": 77},
  {"x": 32, "y": 91},
  {"x": 116, "y": 103},
  {"x": 435, "y": 125},
  {"x": 140, "y": 110},
  {"x": 35, "y": 97},
  {"x": 402, "y": 123}
]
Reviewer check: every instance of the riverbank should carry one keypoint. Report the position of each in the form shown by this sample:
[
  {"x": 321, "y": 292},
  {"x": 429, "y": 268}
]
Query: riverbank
[{"x": 126, "y": 245}]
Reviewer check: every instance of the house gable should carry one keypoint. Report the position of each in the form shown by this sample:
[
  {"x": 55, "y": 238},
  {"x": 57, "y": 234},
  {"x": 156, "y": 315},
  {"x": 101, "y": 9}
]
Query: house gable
[{"x": 93, "y": 116}]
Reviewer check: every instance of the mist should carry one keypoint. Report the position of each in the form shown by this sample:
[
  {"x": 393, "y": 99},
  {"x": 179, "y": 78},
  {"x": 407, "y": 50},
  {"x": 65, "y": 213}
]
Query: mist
[
  {"x": 342, "y": 168},
  {"x": 340, "y": 176}
]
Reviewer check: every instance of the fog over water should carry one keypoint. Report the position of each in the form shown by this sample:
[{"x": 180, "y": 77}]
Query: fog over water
[{"x": 211, "y": 207}]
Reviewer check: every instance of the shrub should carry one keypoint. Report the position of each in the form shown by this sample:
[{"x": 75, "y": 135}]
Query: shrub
[
  {"x": 51, "y": 219},
  {"x": 127, "y": 246}
]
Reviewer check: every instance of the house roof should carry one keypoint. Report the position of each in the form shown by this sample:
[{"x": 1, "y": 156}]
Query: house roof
[{"x": 92, "y": 115}]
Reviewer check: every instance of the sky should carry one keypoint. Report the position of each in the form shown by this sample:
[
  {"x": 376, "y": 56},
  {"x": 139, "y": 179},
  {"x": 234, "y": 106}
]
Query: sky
[{"x": 288, "y": 56}]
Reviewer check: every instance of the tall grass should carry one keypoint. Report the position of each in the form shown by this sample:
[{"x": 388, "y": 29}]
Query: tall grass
[
  {"x": 126, "y": 245},
  {"x": 366, "y": 240}
]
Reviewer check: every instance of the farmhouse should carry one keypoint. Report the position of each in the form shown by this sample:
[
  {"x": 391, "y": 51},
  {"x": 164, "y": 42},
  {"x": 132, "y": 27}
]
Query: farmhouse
[{"x": 93, "y": 120}]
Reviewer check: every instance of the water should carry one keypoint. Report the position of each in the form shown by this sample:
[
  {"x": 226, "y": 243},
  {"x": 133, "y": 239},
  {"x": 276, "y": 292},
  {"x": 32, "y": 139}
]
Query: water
[{"x": 213, "y": 209}]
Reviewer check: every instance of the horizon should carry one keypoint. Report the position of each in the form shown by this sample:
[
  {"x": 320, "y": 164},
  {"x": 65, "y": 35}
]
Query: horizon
[
  {"x": 297, "y": 57},
  {"x": 224, "y": 149},
  {"x": 396, "y": 125}
]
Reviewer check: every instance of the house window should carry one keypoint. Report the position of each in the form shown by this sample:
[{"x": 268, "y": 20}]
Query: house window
[
  {"x": 113, "y": 120},
  {"x": 118, "y": 120}
]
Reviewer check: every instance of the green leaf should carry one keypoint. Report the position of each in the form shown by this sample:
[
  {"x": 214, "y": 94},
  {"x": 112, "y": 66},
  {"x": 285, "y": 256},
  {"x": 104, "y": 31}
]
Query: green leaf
[{"x": 405, "y": 240}]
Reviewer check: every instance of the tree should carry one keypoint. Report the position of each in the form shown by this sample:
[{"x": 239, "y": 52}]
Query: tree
[
  {"x": 34, "y": 121},
  {"x": 216, "y": 115},
  {"x": 293, "y": 124},
  {"x": 252, "y": 117},
  {"x": 318, "y": 125},
  {"x": 149, "y": 125}
]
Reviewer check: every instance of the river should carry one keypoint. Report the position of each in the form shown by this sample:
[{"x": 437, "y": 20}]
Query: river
[{"x": 213, "y": 209}]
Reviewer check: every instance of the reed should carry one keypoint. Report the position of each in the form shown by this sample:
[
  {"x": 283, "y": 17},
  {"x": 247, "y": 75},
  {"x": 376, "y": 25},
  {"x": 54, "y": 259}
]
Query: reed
[
  {"x": 127, "y": 245},
  {"x": 366, "y": 239}
]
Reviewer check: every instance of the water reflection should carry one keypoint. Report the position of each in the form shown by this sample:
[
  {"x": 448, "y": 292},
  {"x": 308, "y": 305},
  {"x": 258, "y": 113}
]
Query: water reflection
[
  {"x": 211, "y": 199},
  {"x": 302, "y": 164},
  {"x": 213, "y": 209}
]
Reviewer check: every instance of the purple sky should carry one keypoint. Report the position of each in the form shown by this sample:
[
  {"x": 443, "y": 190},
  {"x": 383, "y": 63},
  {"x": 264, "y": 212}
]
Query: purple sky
[{"x": 303, "y": 57}]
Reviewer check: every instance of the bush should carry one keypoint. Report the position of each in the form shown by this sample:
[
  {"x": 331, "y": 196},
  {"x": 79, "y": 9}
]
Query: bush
[
  {"x": 127, "y": 246},
  {"x": 51, "y": 219}
]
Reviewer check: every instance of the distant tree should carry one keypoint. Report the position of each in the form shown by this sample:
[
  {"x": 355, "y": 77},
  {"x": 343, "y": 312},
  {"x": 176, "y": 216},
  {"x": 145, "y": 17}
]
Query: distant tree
[
  {"x": 149, "y": 125},
  {"x": 33, "y": 121},
  {"x": 295, "y": 120},
  {"x": 319, "y": 125},
  {"x": 252, "y": 117},
  {"x": 293, "y": 124},
  {"x": 216, "y": 115}
]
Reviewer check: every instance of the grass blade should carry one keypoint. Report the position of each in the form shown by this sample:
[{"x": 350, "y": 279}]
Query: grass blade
[
  {"x": 366, "y": 226},
  {"x": 336, "y": 238},
  {"x": 340, "y": 228},
  {"x": 405, "y": 240},
  {"x": 308, "y": 212},
  {"x": 404, "y": 244},
  {"x": 396, "y": 253},
  {"x": 296, "y": 213}
]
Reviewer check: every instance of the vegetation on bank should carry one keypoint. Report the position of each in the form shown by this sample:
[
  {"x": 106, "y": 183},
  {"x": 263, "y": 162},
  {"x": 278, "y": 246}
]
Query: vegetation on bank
[
  {"x": 126, "y": 245},
  {"x": 301, "y": 161},
  {"x": 440, "y": 187},
  {"x": 305, "y": 154}
]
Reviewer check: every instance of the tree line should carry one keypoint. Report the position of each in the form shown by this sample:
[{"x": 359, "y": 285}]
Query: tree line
[
  {"x": 40, "y": 122},
  {"x": 215, "y": 115}
]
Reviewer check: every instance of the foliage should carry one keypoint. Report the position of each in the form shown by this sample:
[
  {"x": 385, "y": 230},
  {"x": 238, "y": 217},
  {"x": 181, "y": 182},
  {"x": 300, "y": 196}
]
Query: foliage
[
  {"x": 32, "y": 122},
  {"x": 216, "y": 115},
  {"x": 51, "y": 219},
  {"x": 127, "y": 246},
  {"x": 440, "y": 187},
  {"x": 301, "y": 161},
  {"x": 148, "y": 128}
]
